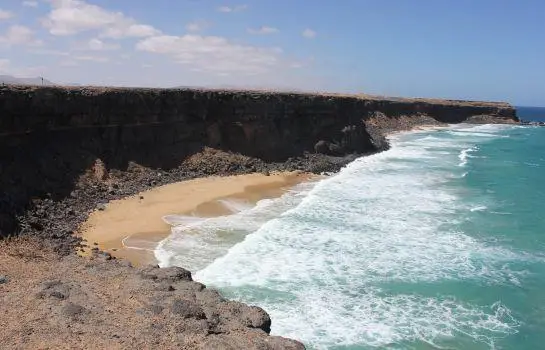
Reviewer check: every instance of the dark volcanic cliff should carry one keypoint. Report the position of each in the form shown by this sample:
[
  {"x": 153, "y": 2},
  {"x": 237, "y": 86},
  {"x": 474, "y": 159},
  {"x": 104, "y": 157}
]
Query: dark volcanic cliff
[
  {"x": 49, "y": 136},
  {"x": 64, "y": 151}
]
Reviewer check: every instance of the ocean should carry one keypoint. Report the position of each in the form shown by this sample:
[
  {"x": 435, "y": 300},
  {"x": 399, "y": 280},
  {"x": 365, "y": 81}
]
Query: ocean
[
  {"x": 437, "y": 243},
  {"x": 535, "y": 114}
]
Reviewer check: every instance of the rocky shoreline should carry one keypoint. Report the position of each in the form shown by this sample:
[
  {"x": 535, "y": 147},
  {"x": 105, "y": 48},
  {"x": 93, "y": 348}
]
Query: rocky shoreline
[
  {"x": 48, "y": 301},
  {"x": 74, "y": 157},
  {"x": 195, "y": 317},
  {"x": 57, "y": 221}
]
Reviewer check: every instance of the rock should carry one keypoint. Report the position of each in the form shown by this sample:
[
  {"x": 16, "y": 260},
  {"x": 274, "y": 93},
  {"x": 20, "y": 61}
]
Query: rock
[
  {"x": 172, "y": 274},
  {"x": 209, "y": 297},
  {"x": 192, "y": 327},
  {"x": 124, "y": 263},
  {"x": 256, "y": 317},
  {"x": 101, "y": 207},
  {"x": 36, "y": 225},
  {"x": 57, "y": 294},
  {"x": 280, "y": 343},
  {"x": 335, "y": 149},
  {"x": 155, "y": 309},
  {"x": 100, "y": 171},
  {"x": 221, "y": 343},
  {"x": 321, "y": 147},
  {"x": 165, "y": 287},
  {"x": 4, "y": 279},
  {"x": 249, "y": 341},
  {"x": 54, "y": 289},
  {"x": 72, "y": 310},
  {"x": 187, "y": 309}
]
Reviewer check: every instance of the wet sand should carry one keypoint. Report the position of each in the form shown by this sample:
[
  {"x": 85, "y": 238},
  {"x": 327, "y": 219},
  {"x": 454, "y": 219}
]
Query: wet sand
[{"x": 132, "y": 227}]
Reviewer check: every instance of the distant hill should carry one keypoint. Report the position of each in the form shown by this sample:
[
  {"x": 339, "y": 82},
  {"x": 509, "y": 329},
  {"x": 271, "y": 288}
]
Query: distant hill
[{"x": 8, "y": 79}]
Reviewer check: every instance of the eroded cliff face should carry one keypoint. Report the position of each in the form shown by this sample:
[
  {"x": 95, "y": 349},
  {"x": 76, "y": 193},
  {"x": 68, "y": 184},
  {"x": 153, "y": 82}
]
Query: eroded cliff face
[{"x": 49, "y": 136}]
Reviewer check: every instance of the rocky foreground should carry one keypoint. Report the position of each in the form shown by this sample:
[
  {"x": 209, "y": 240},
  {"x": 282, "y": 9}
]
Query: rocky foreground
[
  {"x": 53, "y": 302},
  {"x": 68, "y": 301}
]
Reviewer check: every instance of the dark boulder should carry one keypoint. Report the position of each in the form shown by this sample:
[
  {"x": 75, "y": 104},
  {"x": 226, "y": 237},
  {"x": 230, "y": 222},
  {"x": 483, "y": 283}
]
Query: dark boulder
[
  {"x": 321, "y": 147},
  {"x": 73, "y": 310},
  {"x": 256, "y": 317},
  {"x": 187, "y": 309},
  {"x": 172, "y": 274}
]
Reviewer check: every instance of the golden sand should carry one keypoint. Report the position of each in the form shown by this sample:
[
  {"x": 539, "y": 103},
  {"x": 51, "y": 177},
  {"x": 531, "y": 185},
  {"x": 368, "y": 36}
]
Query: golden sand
[{"x": 131, "y": 228}]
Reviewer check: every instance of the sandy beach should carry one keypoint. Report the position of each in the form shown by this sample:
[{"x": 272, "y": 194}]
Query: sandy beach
[{"x": 132, "y": 227}]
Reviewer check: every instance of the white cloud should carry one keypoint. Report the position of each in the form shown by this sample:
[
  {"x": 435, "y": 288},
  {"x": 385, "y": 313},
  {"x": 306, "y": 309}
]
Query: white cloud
[
  {"x": 263, "y": 30},
  {"x": 309, "y": 33},
  {"x": 70, "y": 17},
  {"x": 19, "y": 35},
  {"x": 231, "y": 9},
  {"x": 214, "y": 54},
  {"x": 5, "y": 15},
  {"x": 30, "y": 3},
  {"x": 99, "y": 45},
  {"x": 99, "y": 59},
  {"x": 133, "y": 30},
  {"x": 197, "y": 26},
  {"x": 192, "y": 59},
  {"x": 49, "y": 52}
]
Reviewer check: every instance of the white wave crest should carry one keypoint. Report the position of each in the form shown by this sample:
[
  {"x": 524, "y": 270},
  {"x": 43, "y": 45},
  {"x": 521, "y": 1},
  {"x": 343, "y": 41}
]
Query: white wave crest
[{"x": 352, "y": 260}]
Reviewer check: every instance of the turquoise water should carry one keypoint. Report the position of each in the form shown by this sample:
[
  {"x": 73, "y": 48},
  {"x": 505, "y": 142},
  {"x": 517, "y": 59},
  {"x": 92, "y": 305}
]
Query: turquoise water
[{"x": 438, "y": 243}]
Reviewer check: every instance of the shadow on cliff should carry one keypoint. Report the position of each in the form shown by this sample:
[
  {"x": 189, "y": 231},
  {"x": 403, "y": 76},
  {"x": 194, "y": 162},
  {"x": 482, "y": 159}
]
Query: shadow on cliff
[
  {"x": 50, "y": 136},
  {"x": 49, "y": 164}
]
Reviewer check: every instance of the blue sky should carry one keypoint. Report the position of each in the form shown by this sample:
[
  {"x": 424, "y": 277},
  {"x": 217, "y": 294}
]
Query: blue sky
[{"x": 478, "y": 49}]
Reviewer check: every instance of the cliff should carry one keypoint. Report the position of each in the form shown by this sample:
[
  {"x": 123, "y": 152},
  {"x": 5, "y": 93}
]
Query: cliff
[
  {"x": 50, "y": 136},
  {"x": 65, "y": 151}
]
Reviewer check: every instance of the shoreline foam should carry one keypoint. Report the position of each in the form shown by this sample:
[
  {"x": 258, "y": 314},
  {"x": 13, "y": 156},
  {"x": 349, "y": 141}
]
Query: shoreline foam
[{"x": 131, "y": 228}]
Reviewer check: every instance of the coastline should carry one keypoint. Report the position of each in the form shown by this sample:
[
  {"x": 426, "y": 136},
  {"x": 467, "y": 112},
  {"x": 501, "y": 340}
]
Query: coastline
[
  {"x": 130, "y": 228},
  {"x": 97, "y": 148}
]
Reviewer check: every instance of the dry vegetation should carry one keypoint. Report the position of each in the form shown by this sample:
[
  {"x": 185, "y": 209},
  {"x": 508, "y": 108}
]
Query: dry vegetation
[{"x": 52, "y": 302}]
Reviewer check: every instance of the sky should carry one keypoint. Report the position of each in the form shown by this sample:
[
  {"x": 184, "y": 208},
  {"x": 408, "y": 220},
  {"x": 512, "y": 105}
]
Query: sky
[{"x": 460, "y": 49}]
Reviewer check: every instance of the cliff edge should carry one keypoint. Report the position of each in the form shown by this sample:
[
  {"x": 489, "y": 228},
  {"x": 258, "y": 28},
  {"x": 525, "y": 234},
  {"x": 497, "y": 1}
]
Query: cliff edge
[
  {"x": 65, "y": 151},
  {"x": 50, "y": 136}
]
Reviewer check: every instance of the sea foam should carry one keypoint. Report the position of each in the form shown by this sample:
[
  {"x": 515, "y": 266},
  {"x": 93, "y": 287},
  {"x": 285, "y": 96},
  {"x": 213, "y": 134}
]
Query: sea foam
[
  {"x": 344, "y": 267},
  {"x": 196, "y": 241}
]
